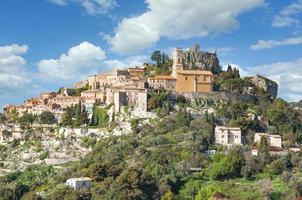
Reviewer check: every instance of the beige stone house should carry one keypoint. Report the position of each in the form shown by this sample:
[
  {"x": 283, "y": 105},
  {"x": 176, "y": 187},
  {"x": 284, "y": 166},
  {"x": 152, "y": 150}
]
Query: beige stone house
[
  {"x": 162, "y": 82},
  {"x": 227, "y": 136},
  {"x": 274, "y": 140}
]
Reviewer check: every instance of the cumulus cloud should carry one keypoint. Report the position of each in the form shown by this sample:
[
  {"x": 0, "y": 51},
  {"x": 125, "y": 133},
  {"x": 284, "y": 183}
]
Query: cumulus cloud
[
  {"x": 177, "y": 19},
  {"x": 92, "y": 7},
  {"x": 11, "y": 50},
  {"x": 13, "y": 71},
  {"x": 267, "y": 44},
  {"x": 79, "y": 61},
  {"x": 286, "y": 16}
]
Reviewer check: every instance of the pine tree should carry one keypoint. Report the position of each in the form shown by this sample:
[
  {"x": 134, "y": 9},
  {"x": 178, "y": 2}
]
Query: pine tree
[
  {"x": 67, "y": 117},
  {"x": 93, "y": 118},
  {"x": 264, "y": 150}
]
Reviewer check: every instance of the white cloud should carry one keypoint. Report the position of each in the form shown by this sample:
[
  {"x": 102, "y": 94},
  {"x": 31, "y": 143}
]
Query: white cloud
[
  {"x": 281, "y": 21},
  {"x": 59, "y": 2},
  {"x": 177, "y": 19},
  {"x": 129, "y": 61},
  {"x": 267, "y": 44},
  {"x": 79, "y": 61},
  {"x": 92, "y": 7},
  {"x": 288, "y": 75},
  {"x": 284, "y": 17},
  {"x": 13, "y": 71},
  {"x": 14, "y": 49}
]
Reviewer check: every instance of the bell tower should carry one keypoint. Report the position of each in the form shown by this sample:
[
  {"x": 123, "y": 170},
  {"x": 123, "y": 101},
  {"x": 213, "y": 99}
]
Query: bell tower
[{"x": 177, "y": 61}]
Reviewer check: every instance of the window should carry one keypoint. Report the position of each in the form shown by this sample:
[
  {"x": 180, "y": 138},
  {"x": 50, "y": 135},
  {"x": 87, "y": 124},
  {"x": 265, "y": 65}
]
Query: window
[
  {"x": 222, "y": 136},
  {"x": 186, "y": 78}
]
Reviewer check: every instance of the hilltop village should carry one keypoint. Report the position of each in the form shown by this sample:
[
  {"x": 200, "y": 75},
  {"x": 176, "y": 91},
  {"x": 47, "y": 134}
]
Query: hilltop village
[
  {"x": 176, "y": 128},
  {"x": 192, "y": 74},
  {"x": 192, "y": 77}
]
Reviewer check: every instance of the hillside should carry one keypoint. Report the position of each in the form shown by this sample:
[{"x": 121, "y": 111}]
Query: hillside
[{"x": 168, "y": 158}]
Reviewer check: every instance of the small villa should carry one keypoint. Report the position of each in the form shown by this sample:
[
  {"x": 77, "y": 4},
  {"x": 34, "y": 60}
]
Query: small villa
[{"x": 82, "y": 183}]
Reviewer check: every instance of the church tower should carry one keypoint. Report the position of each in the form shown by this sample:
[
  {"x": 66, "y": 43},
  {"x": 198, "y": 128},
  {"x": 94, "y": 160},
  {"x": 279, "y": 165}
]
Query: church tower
[{"x": 177, "y": 61}]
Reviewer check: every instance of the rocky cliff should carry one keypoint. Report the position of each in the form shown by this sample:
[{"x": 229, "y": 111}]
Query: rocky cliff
[
  {"x": 269, "y": 86},
  {"x": 196, "y": 59}
]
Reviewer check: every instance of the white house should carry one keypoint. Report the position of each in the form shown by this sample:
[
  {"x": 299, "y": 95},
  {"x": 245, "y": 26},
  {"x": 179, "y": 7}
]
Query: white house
[
  {"x": 274, "y": 140},
  {"x": 82, "y": 183},
  {"x": 227, "y": 136}
]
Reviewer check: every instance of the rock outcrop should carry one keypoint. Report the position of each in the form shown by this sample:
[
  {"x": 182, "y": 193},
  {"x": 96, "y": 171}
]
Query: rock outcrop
[
  {"x": 194, "y": 58},
  {"x": 270, "y": 87}
]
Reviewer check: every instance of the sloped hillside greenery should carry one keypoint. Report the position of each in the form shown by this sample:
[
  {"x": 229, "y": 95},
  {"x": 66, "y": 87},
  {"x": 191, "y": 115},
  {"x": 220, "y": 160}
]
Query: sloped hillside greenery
[{"x": 167, "y": 159}]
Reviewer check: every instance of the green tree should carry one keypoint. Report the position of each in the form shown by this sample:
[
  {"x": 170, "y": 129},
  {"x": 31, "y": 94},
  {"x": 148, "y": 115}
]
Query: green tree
[
  {"x": 264, "y": 150},
  {"x": 226, "y": 166},
  {"x": 47, "y": 117},
  {"x": 3, "y": 118},
  {"x": 67, "y": 117},
  {"x": 168, "y": 196},
  {"x": 81, "y": 115},
  {"x": 65, "y": 193},
  {"x": 19, "y": 189},
  {"x": 13, "y": 115},
  {"x": 26, "y": 120},
  {"x": 251, "y": 166},
  {"x": 156, "y": 57}
]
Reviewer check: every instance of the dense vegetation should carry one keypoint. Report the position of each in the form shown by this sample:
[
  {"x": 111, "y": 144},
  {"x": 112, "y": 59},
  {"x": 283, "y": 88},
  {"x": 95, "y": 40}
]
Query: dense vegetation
[{"x": 167, "y": 159}]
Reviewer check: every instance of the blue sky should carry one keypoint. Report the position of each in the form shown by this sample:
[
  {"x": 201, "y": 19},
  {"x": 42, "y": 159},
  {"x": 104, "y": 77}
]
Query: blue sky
[{"x": 45, "y": 44}]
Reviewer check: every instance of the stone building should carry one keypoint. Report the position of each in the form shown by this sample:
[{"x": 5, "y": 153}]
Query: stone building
[
  {"x": 162, "y": 82},
  {"x": 80, "y": 84},
  {"x": 190, "y": 80},
  {"x": 97, "y": 81},
  {"x": 136, "y": 71},
  {"x": 123, "y": 96},
  {"x": 82, "y": 183},
  {"x": 141, "y": 103},
  {"x": 194, "y": 81},
  {"x": 99, "y": 96},
  {"x": 274, "y": 140},
  {"x": 227, "y": 136},
  {"x": 20, "y": 109},
  {"x": 65, "y": 101},
  {"x": 47, "y": 95}
]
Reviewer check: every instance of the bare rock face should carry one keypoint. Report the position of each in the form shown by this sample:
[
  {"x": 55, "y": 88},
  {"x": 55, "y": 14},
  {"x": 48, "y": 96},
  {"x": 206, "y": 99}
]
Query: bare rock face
[
  {"x": 270, "y": 87},
  {"x": 196, "y": 59}
]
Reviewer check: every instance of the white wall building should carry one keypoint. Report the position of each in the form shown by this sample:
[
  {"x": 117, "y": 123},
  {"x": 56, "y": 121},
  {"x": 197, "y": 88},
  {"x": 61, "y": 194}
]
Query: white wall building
[
  {"x": 227, "y": 136},
  {"x": 274, "y": 140},
  {"x": 83, "y": 183}
]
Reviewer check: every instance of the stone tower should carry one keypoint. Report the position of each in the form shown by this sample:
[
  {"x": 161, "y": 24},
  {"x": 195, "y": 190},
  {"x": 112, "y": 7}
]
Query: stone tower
[{"x": 177, "y": 61}]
